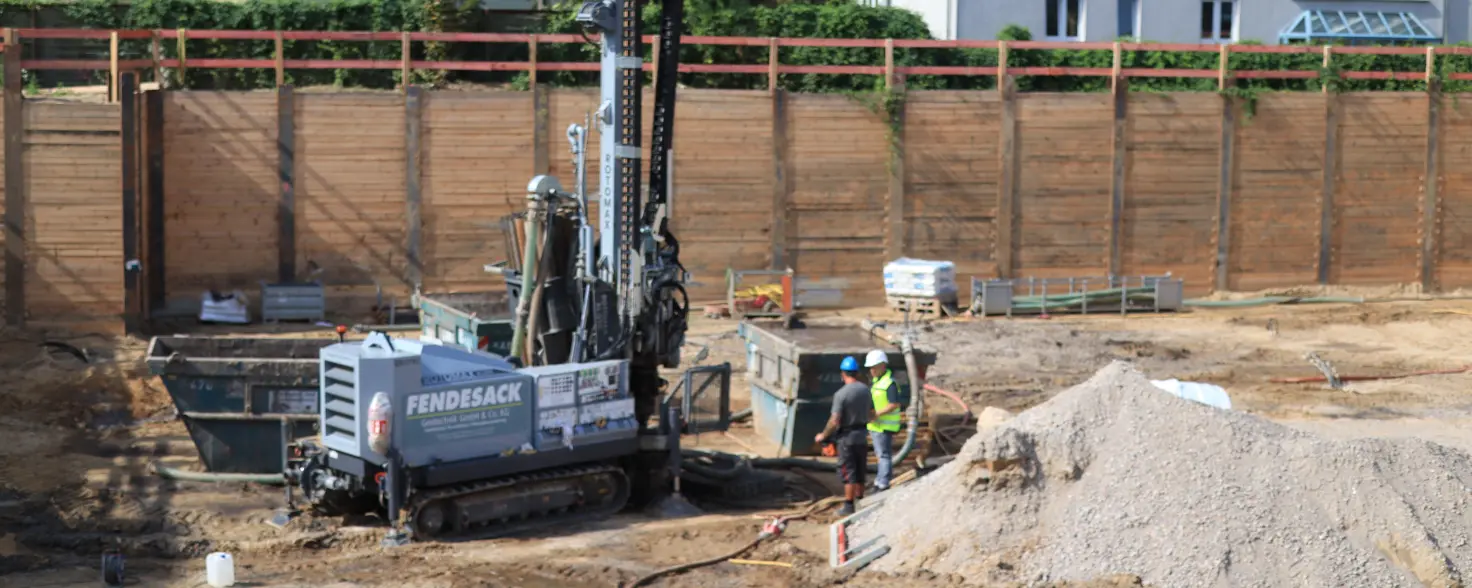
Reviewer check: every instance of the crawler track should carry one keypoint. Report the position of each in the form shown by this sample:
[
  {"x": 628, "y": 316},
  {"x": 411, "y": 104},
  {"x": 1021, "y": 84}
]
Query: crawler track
[{"x": 515, "y": 504}]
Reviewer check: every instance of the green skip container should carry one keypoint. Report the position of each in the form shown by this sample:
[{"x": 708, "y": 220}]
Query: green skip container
[
  {"x": 794, "y": 374},
  {"x": 243, "y": 399}
]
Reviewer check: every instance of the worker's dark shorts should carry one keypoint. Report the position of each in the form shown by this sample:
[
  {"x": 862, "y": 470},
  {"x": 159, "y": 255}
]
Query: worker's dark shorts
[{"x": 853, "y": 457}]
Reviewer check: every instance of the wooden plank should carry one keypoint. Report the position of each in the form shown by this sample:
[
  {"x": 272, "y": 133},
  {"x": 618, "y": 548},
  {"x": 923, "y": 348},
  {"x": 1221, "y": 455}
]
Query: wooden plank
[
  {"x": 127, "y": 94},
  {"x": 1381, "y": 153},
  {"x": 155, "y": 230},
  {"x": 725, "y": 156},
  {"x": 1454, "y": 239},
  {"x": 781, "y": 180},
  {"x": 1226, "y": 168},
  {"x": 951, "y": 173},
  {"x": 1118, "y": 140},
  {"x": 1064, "y": 168},
  {"x": 1326, "y": 194},
  {"x": 76, "y": 226},
  {"x": 15, "y": 193},
  {"x": 1430, "y": 228},
  {"x": 1172, "y": 178},
  {"x": 1278, "y": 161},
  {"x": 475, "y": 167},
  {"x": 840, "y": 187},
  {"x": 222, "y": 197},
  {"x": 1006, "y": 250},
  {"x": 286, "y": 175},
  {"x": 413, "y": 224}
]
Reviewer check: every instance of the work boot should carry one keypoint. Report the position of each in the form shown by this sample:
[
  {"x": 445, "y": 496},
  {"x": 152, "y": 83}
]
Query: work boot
[
  {"x": 846, "y": 509},
  {"x": 874, "y": 489}
]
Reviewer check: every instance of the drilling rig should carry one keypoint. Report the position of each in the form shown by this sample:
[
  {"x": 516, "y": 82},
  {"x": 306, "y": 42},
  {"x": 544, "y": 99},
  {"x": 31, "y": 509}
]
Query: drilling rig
[{"x": 451, "y": 443}]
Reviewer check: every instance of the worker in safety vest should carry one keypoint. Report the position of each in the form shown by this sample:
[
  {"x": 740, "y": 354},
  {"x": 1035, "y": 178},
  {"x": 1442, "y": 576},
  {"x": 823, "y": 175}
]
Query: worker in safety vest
[{"x": 886, "y": 397}]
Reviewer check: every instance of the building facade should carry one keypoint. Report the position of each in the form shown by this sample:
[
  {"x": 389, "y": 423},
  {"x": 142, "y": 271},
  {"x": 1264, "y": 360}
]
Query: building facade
[{"x": 1201, "y": 21}]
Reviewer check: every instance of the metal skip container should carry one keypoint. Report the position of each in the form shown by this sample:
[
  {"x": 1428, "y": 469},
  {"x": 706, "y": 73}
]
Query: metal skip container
[
  {"x": 794, "y": 374},
  {"x": 242, "y": 399}
]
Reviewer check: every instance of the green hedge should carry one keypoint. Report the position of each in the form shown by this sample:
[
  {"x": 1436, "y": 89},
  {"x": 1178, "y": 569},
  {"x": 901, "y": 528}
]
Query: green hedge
[{"x": 705, "y": 17}]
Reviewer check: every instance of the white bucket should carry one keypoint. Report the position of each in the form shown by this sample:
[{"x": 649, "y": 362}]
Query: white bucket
[{"x": 219, "y": 570}]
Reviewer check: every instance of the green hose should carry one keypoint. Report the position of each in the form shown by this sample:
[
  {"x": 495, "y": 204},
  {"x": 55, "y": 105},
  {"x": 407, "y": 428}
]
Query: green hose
[
  {"x": 1268, "y": 300},
  {"x": 178, "y": 475}
]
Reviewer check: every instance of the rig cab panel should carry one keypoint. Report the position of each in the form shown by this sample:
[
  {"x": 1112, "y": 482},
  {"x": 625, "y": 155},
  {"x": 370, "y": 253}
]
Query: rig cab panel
[{"x": 459, "y": 442}]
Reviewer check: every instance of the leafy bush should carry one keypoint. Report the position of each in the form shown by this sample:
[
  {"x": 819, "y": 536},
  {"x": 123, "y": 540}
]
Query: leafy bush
[{"x": 836, "y": 19}]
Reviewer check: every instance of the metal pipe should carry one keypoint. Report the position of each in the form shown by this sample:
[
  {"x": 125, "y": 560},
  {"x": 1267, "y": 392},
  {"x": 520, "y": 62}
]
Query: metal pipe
[
  {"x": 528, "y": 272},
  {"x": 534, "y": 317},
  {"x": 178, "y": 475},
  {"x": 917, "y": 400}
]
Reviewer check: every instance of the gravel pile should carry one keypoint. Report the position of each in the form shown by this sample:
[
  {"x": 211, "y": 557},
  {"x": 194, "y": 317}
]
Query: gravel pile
[{"x": 1114, "y": 476}]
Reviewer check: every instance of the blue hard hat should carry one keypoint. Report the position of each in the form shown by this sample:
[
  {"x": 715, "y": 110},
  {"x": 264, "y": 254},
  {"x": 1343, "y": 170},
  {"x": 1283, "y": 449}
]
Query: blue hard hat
[{"x": 849, "y": 364}]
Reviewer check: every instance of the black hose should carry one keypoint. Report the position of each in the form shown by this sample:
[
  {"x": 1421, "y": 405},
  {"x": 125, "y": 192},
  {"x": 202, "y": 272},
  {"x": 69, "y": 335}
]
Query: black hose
[
  {"x": 772, "y": 462},
  {"x": 652, "y": 576},
  {"x": 740, "y": 415}
]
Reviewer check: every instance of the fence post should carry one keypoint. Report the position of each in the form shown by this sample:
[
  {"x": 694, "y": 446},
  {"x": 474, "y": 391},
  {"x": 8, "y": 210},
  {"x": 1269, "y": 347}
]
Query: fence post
[
  {"x": 183, "y": 41},
  {"x": 286, "y": 168},
  {"x": 413, "y": 119},
  {"x": 895, "y": 236},
  {"x": 15, "y": 186},
  {"x": 280, "y": 60},
  {"x": 772, "y": 64},
  {"x": 888, "y": 64},
  {"x": 112, "y": 68},
  {"x": 780, "y": 204},
  {"x": 155, "y": 229},
  {"x": 406, "y": 69},
  {"x": 1225, "y": 176},
  {"x": 531, "y": 69},
  {"x": 127, "y": 98},
  {"x": 1117, "y": 141},
  {"x": 1431, "y": 203},
  {"x": 156, "y": 51},
  {"x": 1007, "y": 160},
  {"x": 1331, "y": 165},
  {"x": 541, "y": 115}
]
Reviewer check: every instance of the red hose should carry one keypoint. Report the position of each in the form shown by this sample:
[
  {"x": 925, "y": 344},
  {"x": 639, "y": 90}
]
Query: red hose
[
  {"x": 954, "y": 398},
  {"x": 1366, "y": 378}
]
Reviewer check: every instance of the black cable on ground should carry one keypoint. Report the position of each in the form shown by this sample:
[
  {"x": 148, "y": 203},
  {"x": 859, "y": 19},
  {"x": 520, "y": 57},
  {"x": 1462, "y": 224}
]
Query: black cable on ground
[{"x": 652, "y": 576}]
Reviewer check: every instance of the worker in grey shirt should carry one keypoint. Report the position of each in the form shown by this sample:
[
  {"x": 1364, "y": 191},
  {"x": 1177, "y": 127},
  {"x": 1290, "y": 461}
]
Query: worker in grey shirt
[{"x": 847, "y": 428}]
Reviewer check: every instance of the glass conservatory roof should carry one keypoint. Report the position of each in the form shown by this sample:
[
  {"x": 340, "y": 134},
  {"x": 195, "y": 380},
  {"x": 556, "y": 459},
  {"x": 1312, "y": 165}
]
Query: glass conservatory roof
[{"x": 1374, "y": 25}]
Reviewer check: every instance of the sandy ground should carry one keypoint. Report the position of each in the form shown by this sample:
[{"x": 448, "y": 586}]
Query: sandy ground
[{"x": 74, "y": 456}]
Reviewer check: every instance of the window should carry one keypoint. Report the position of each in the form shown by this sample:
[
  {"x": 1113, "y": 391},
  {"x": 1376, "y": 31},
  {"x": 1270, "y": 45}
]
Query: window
[
  {"x": 1356, "y": 27},
  {"x": 1217, "y": 18},
  {"x": 1129, "y": 19},
  {"x": 1064, "y": 20}
]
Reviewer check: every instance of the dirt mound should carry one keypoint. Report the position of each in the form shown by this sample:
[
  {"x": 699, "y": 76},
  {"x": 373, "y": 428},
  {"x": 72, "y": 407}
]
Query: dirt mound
[{"x": 1114, "y": 476}]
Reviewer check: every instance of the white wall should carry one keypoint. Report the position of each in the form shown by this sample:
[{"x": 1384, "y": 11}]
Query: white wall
[{"x": 1176, "y": 21}]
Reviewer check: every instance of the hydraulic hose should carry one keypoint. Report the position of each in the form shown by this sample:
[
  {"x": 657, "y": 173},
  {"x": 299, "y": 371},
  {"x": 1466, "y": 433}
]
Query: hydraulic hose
[
  {"x": 917, "y": 404},
  {"x": 178, "y": 475},
  {"x": 954, "y": 398},
  {"x": 1270, "y": 300},
  {"x": 529, "y": 259}
]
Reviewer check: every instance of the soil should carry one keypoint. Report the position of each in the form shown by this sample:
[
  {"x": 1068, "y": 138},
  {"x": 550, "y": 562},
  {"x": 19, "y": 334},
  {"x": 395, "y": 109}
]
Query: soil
[{"x": 76, "y": 439}]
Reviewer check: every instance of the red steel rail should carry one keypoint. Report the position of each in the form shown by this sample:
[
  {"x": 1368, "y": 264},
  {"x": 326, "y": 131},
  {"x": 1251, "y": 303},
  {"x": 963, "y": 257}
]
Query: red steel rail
[{"x": 772, "y": 69}]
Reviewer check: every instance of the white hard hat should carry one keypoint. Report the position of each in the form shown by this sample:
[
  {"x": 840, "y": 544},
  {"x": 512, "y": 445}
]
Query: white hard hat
[{"x": 874, "y": 358}]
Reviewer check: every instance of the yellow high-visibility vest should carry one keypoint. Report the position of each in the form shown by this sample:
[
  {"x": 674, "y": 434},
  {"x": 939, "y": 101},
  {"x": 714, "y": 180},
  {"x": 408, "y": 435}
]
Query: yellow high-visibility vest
[{"x": 879, "y": 393}]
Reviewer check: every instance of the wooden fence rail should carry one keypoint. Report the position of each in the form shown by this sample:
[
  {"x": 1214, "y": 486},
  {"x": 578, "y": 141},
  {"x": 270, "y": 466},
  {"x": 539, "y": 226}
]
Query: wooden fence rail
[{"x": 773, "y": 68}]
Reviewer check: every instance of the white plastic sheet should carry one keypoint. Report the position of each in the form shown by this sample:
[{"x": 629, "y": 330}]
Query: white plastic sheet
[{"x": 1208, "y": 394}]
